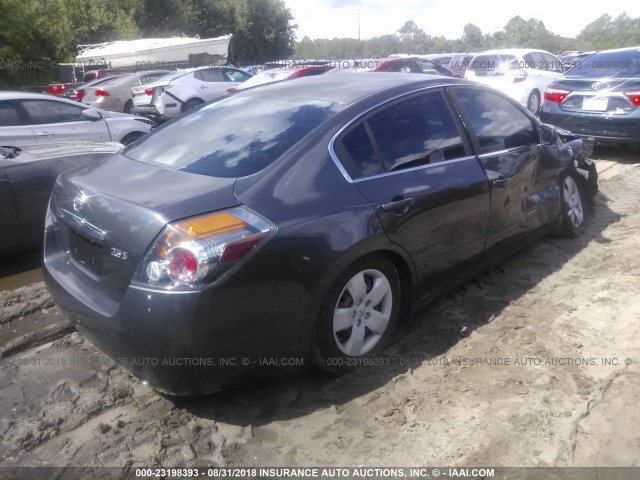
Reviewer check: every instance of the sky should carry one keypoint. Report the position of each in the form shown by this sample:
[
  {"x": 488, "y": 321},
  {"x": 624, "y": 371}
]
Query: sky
[{"x": 339, "y": 18}]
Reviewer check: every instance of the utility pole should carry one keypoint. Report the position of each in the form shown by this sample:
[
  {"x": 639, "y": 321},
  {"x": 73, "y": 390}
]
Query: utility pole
[{"x": 358, "y": 24}]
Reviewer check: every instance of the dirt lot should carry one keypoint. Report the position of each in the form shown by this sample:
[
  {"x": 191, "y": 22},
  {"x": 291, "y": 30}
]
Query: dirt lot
[{"x": 535, "y": 375}]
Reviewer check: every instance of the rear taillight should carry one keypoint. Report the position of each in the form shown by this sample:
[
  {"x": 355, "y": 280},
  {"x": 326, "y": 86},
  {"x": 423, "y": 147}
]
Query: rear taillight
[
  {"x": 148, "y": 91},
  {"x": 634, "y": 96},
  {"x": 55, "y": 89},
  {"x": 79, "y": 95},
  {"x": 197, "y": 251},
  {"x": 520, "y": 76},
  {"x": 101, "y": 93},
  {"x": 555, "y": 95}
]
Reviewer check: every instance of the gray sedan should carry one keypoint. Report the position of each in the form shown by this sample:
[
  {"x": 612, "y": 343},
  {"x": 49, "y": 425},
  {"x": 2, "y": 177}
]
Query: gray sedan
[
  {"x": 115, "y": 94},
  {"x": 26, "y": 178},
  {"x": 31, "y": 118}
]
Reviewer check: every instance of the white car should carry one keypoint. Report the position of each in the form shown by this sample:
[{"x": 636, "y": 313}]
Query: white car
[
  {"x": 183, "y": 90},
  {"x": 523, "y": 74},
  {"x": 32, "y": 118}
]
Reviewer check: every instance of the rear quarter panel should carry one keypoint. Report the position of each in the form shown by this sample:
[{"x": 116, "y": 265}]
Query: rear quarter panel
[{"x": 8, "y": 212}]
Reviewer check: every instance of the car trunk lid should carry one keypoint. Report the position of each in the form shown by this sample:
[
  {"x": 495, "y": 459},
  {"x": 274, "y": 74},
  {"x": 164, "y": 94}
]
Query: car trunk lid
[
  {"x": 598, "y": 95},
  {"x": 108, "y": 213}
]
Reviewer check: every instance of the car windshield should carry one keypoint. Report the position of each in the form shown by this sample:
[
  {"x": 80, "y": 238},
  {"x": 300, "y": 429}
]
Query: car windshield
[
  {"x": 494, "y": 62},
  {"x": 609, "y": 64},
  {"x": 233, "y": 137},
  {"x": 171, "y": 76}
]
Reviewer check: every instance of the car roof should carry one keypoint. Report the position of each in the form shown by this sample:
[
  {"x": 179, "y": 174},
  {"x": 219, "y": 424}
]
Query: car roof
[
  {"x": 511, "y": 51},
  {"x": 616, "y": 50},
  {"x": 304, "y": 68},
  {"x": 347, "y": 88}
]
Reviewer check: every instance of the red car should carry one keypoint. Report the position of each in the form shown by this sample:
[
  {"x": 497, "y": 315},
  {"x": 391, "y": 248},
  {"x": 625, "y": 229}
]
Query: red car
[{"x": 280, "y": 74}]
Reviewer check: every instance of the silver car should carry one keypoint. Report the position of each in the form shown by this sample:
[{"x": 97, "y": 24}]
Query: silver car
[
  {"x": 32, "y": 118},
  {"x": 115, "y": 94},
  {"x": 185, "y": 89}
]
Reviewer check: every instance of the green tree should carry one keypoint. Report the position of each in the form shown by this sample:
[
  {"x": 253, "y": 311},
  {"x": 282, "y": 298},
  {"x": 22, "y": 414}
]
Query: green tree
[
  {"x": 412, "y": 38},
  {"x": 472, "y": 38}
]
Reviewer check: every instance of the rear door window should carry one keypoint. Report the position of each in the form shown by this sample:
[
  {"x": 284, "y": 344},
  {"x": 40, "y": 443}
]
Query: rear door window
[
  {"x": 9, "y": 116},
  {"x": 356, "y": 152},
  {"x": 551, "y": 63},
  {"x": 209, "y": 75}
]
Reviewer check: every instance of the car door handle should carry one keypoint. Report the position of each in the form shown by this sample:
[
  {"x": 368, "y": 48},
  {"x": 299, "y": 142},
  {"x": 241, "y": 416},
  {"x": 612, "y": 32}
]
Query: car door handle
[
  {"x": 500, "y": 182},
  {"x": 45, "y": 134},
  {"x": 397, "y": 204},
  {"x": 203, "y": 87}
]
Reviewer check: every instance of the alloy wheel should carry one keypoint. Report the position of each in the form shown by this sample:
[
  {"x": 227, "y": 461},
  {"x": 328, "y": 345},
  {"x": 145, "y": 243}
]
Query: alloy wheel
[
  {"x": 362, "y": 313},
  {"x": 573, "y": 201}
]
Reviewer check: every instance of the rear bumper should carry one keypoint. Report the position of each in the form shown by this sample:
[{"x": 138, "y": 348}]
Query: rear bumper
[
  {"x": 604, "y": 128},
  {"x": 149, "y": 111},
  {"x": 170, "y": 339}
]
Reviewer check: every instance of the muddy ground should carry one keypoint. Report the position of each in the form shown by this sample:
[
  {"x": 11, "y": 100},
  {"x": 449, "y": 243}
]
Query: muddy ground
[{"x": 562, "y": 316}]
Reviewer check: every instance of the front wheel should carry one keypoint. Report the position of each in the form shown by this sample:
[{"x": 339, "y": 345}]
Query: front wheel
[
  {"x": 574, "y": 207},
  {"x": 191, "y": 104},
  {"x": 359, "y": 315}
]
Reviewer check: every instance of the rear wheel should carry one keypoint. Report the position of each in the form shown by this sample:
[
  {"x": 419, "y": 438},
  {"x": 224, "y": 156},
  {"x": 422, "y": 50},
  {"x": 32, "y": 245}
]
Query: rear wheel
[
  {"x": 128, "y": 107},
  {"x": 358, "y": 316},
  {"x": 533, "y": 103},
  {"x": 574, "y": 207},
  {"x": 191, "y": 104}
]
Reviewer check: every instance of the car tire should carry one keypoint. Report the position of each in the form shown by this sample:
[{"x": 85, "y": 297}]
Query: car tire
[
  {"x": 130, "y": 138},
  {"x": 358, "y": 316},
  {"x": 128, "y": 107},
  {"x": 533, "y": 102},
  {"x": 191, "y": 104},
  {"x": 574, "y": 204}
]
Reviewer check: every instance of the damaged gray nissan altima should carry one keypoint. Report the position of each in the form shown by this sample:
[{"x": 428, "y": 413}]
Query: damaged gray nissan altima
[{"x": 300, "y": 220}]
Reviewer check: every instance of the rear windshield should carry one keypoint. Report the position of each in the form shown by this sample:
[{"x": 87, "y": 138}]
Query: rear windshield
[
  {"x": 494, "y": 62},
  {"x": 118, "y": 80},
  {"x": 172, "y": 76},
  {"x": 608, "y": 64},
  {"x": 236, "y": 136},
  {"x": 267, "y": 77}
]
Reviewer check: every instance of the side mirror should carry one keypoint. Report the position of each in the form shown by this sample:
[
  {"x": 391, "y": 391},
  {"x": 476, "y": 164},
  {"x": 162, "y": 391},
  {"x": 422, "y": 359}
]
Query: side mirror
[
  {"x": 548, "y": 135},
  {"x": 91, "y": 114}
]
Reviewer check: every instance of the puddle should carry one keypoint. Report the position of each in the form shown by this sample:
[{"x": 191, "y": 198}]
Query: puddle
[{"x": 20, "y": 270}]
